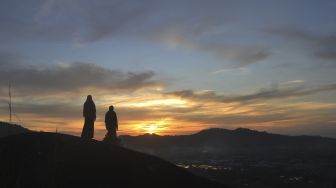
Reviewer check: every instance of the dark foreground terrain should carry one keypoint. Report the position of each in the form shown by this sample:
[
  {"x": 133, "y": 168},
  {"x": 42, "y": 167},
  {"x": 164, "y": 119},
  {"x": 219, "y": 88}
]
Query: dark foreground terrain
[
  {"x": 7, "y": 129},
  {"x": 35, "y": 160}
]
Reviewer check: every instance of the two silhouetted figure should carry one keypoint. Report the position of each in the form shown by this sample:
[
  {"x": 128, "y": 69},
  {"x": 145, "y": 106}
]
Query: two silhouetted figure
[{"x": 111, "y": 122}]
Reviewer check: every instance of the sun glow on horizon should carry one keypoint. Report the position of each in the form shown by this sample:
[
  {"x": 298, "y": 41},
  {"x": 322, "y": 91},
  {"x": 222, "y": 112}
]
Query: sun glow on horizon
[
  {"x": 153, "y": 113},
  {"x": 153, "y": 127}
]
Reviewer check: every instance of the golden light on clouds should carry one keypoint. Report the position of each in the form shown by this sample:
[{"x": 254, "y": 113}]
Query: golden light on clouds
[
  {"x": 159, "y": 102},
  {"x": 168, "y": 73},
  {"x": 149, "y": 111}
]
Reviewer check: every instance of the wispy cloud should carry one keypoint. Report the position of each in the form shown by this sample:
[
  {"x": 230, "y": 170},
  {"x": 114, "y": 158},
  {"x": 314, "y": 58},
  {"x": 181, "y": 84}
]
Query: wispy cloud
[
  {"x": 293, "y": 82},
  {"x": 322, "y": 46},
  {"x": 274, "y": 92},
  {"x": 237, "y": 55},
  {"x": 232, "y": 70}
]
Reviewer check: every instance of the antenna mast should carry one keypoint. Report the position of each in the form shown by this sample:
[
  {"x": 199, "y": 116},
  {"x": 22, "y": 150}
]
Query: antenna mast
[{"x": 10, "y": 102}]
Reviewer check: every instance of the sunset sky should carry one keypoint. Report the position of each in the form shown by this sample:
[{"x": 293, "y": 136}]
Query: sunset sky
[{"x": 171, "y": 67}]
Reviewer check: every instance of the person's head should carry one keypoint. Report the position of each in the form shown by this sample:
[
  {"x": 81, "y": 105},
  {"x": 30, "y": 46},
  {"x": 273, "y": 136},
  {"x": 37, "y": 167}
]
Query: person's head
[
  {"x": 111, "y": 108},
  {"x": 89, "y": 98}
]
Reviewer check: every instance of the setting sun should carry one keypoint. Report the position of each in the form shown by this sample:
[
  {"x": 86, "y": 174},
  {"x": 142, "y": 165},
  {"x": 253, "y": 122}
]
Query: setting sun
[{"x": 152, "y": 127}]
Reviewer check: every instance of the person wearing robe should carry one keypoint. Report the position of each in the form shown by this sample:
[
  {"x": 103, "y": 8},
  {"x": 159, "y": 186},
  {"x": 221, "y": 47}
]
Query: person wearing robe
[
  {"x": 89, "y": 114},
  {"x": 111, "y": 122}
]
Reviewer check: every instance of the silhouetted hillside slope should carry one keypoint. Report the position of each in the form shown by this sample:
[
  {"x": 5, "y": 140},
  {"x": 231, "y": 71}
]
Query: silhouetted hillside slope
[
  {"x": 7, "y": 129},
  {"x": 56, "y": 160},
  {"x": 223, "y": 142}
]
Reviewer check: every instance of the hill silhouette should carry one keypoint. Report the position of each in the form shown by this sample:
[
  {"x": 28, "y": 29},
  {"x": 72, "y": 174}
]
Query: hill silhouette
[
  {"x": 58, "y": 160},
  {"x": 7, "y": 129}
]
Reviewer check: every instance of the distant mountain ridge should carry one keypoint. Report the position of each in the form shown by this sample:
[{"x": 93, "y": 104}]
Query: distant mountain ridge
[
  {"x": 222, "y": 142},
  {"x": 7, "y": 129}
]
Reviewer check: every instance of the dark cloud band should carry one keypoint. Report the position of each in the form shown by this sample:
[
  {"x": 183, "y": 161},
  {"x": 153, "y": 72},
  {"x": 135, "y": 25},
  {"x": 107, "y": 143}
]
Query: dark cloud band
[
  {"x": 264, "y": 94},
  {"x": 73, "y": 77}
]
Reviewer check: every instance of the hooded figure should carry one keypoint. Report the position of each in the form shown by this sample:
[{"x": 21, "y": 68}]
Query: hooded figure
[
  {"x": 89, "y": 113},
  {"x": 111, "y": 122}
]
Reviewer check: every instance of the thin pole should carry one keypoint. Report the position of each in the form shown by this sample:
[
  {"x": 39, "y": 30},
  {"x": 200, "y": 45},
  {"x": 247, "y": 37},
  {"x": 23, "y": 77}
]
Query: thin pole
[{"x": 10, "y": 102}]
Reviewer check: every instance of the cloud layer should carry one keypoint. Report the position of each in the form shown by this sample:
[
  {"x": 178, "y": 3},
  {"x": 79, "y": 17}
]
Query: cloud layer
[
  {"x": 267, "y": 41},
  {"x": 71, "y": 77},
  {"x": 264, "y": 94},
  {"x": 321, "y": 46}
]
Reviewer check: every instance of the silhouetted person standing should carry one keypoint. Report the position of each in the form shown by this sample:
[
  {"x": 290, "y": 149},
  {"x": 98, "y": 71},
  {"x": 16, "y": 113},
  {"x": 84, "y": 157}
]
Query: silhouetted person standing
[
  {"x": 111, "y": 122},
  {"x": 89, "y": 113}
]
